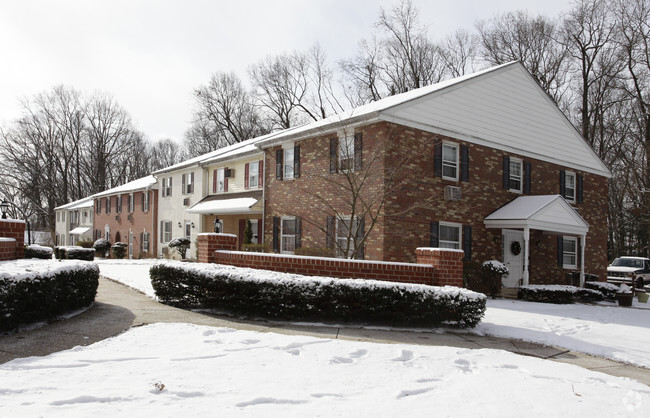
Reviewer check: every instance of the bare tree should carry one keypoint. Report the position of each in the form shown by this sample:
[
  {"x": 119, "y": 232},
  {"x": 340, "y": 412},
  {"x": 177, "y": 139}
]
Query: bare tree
[
  {"x": 362, "y": 84},
  {"x": 458, "y": 53},
  {"x": 164, "y": 153}
]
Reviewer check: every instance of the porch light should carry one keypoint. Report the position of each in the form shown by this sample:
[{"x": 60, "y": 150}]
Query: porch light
[
  {"x": 180, "y": 225},
  {"x": 192, "y": 225},
  {"x": 4, "y": 207},
  {"x": 217, "y": 225}
]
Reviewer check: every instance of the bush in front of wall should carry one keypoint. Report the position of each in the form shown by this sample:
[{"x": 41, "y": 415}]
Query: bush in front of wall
[
  {"x": 74, "y": 253},
  {"x": 102, "y": 246},
  {"x": 37, "y": 251},
  {"x": 609, "y": 290},
  {"x": 261, "y": 293},
  {"x": 119, "y": 250},
  {"x": 256, "y": 248},
  {"x": 85, "y": 244},
  {"x": 315, "y": 252},
  {"x": 559, "y": 294},
  {"x": 181, "y": 245}
]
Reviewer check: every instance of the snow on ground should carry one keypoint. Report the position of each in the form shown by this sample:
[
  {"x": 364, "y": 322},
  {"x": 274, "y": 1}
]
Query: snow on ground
[
  {"x": 184, "y": 369},
  {"x": 133, "y": 273}
]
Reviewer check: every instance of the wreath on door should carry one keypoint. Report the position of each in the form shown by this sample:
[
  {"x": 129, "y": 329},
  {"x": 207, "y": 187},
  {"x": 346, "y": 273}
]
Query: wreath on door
[{"x": 515, "y": 248}]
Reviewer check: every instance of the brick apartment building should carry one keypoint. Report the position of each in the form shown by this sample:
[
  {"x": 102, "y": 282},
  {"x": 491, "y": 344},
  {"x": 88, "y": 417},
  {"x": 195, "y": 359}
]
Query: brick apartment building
[
  {"x": 485, "y": 163},
  {"x": 128, "y": 213}
]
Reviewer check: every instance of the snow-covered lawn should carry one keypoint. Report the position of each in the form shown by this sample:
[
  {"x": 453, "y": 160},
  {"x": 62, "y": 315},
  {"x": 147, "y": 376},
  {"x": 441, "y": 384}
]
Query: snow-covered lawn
[{"x": 190, "y": 370}]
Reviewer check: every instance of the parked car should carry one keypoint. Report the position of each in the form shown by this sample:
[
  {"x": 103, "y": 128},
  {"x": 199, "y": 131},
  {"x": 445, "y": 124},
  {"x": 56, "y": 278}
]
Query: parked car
[{"x": 629, "y": 270}]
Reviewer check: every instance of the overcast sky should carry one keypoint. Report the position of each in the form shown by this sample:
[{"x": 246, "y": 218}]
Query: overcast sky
[{"x": 151, "y": 54}]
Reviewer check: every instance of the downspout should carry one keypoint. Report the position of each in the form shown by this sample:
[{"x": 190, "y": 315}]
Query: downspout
[
  {"x": 264, "y": 197},
  {"x": 583, "y": 243},
  {"x": 526, "y": 252}
]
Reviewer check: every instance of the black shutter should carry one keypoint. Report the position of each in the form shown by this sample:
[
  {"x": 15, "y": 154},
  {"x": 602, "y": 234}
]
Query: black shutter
[
  {"x": 464, "y": 163},
  {"x": 142, "y": 200},
  {"x": 296, "y": 161},
  {"x": 560, "y": 251},
  {"x": 184, "y": 183},
  {"x": 334, "y": 151},
  {"x": 358, "y": 151},
  {"x": 278, "y": 164},
  {"x": 361, "y": 232},
  {"x": 506, "y": 172},
  {"x": 329, "y": 239},
  {"x": 562, "y": 183},
  {"x": 434, "y": 241},
  {"x": 579, "y": 180},
  {"x": 276, "y": 234},
  {"x": 298, "y": 232},
  {"x": 467, "y": 242},
  {"x": 141, "y": 241},
  {"x": 437, "y": 159},
  {"x": 527, "y": 177}
]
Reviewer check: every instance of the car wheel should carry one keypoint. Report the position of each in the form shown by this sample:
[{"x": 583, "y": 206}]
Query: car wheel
[{"x": 638, "y": 283}]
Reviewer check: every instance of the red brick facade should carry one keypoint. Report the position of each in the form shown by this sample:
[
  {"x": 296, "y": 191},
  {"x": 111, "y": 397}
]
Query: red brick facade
[
  {"x": 14, "y": 247},
  {"x": 417, "y": 198},
  {"x": 126, "y": 225},
  {"x": 435, "y": 267}
]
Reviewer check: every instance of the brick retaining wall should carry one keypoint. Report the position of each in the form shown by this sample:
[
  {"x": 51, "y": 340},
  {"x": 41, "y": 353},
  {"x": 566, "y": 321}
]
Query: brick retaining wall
[
  {"x": 435, "y": 266},
  {"x": 15, "y": 230}
]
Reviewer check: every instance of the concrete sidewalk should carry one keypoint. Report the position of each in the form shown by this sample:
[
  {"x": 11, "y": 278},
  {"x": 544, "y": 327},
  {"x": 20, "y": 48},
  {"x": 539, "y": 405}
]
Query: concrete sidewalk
[{"x": 118, "y": 308}]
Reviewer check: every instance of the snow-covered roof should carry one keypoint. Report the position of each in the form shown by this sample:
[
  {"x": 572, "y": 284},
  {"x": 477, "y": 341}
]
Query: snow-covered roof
[
  {"x": 545, "y": 212},
  {"x": 86, "y": 202},
  {"x": 139, "y": 184},
  {"x": 502, "y": 107}
]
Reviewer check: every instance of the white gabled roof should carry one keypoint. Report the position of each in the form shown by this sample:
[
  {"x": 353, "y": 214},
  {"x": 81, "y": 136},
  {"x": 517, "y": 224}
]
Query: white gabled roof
[
  {"x": 86, "y": 202},
  {"x": 501, "y": 107},
  {"x": 139, "y": 184},
  {"x": 545, "y": 212}
]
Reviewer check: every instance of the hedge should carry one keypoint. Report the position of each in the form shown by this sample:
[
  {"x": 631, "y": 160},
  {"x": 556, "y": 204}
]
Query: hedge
[
  {"x": 74, "y": 253},
  {"x": 37, "y": 251},
  {"x": 38, "y": 290},
  {"x": 294, "y": 297},
  {"x": 559, "y": 294},
  {"x": 609, "y": 290}
]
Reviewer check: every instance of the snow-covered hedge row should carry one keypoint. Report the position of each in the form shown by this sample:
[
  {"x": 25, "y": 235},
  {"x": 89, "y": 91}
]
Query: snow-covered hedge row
[
  {"x": 290, "y": 296},
  {"x": 609, "y": 290},
  {"x": 37, "y": 290},
  {"x": 74, "y": 253},
  {"x": 558, "y": 293},
  {"x": 37, "y": 251}
]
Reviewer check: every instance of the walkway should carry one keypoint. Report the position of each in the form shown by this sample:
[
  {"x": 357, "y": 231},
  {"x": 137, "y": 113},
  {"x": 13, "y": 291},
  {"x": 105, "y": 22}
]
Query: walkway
[{"x": 118, "y": 308}]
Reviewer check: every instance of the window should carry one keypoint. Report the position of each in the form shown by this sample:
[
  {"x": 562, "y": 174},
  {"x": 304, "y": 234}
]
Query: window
[
  {"x": 98, "y": 208},
  {"x": 108, "y": 205},
  {"x": 515, "y": 175},
  {"x": 346, "y": 153},
  {"x": 221, "y": 180},
  {"x": 288, "y": 163},
  {"x": 570, "y": 186},
  {"x": 166, "y": 231},
  {"x": 450, "y": 161},
  {"x": 131, "y": 203},
  {"x": 188, "y": 229},
  {"x": 449, "y": 235},
  {"x": 118, "y": 205},
  {"x": 288, "y": 235},
  {"x": 254, "y": 226},
  {"x": 569, "y": 252},
  {"x": 145, "y": 241},
  {"x": 145, "y": 201},
  {"x": 188, "y": 183},
  {"x": 253, "y": 174},
  {"x": 342, "y": 233},
  {"x": 166, "y": 186}
]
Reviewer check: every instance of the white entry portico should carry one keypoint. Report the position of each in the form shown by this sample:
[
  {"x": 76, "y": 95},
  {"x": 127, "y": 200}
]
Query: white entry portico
[{"x": 548, "y": 213}]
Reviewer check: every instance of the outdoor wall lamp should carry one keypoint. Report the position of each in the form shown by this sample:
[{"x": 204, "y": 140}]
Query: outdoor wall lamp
[
  {"x": 180, "y": 225},
  {"x": 4, "y": 207},
  {"x": 192, "y": 225},
  {"x": 217, "y": 225}
]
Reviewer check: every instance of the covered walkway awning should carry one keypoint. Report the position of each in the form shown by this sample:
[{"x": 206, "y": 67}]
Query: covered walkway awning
[
  {"x": 80, "y": 230},
  {"x": 550, "y": 213},
  {"x": 242, "y": 203}
]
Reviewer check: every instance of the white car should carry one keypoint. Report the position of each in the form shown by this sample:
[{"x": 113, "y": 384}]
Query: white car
[{"x": 629, "y": 270}]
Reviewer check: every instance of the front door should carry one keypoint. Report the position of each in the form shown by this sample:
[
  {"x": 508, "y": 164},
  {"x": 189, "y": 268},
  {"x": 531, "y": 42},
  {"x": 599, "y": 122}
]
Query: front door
[{"x": 513, "y": 257}]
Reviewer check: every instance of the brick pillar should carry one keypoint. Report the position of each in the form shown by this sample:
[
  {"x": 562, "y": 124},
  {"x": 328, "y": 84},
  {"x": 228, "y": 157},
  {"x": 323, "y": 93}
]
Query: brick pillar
[
  {"x": 210, "y": 242},
  {"x": 448, "y": 264},
  {"x": 13, "y": 228}
]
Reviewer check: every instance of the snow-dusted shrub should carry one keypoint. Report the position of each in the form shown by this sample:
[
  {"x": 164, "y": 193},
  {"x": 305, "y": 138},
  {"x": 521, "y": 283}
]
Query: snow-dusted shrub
[
  {"x": 74, "y": 253},
  {"x": 181, "y": 245},
  {"x": 273, "y": 294},
  {"x": 38, "y": 251},
  {"x": 554, "y": 293},
  {"x": 492, "y": 274},
  {"x": 609, "y": 290},
  {"x": 315, "y": 252},
  {"x": 85, "y": 244},
  {"x": 102, "y": 246},
  {"x": 256, "y": 248},
  {"x": 119, "y": 250},
  {"x": 37, "y": 290}
]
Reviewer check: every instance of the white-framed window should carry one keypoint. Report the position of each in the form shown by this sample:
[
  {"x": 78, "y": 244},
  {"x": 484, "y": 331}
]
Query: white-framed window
[
  {"x": 254, "y": 226},
  {"x": 131, "y": 203},
  {"x": 166, "y": 231},
  {"x": 288, "y": 163},
  {"x": 145, "y": 241},
  {"x": 188, "y": 229},
  {"x": 569, "y": 252},
  {"x": 188, "y": 183},
  {"x": 570, "y": 186},
  {"x": 166, "y": 186},
  {"x": 288, "y": 234},
  {"x": 118, "y": 204},
  {"x": 449, "y": 235},
  {"x": 342, "y": 232},
  {"x": 221, "y": 180},
  {"x": 516, "y": 174},
  {"x": 449, "y": 161},
  {"x": 145, "y": 202},
  {"x": 346, "y": 153},
  {"x": 108, "y": 204},
  {"x": 253, "y": 174}
]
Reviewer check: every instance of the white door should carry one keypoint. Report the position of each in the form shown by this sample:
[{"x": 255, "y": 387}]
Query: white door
[
  {"x": 130, "y": 245},
  {"x": 513, "y": 257}
]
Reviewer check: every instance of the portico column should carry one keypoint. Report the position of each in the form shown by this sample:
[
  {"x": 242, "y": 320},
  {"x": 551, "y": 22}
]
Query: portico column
[
  {"x": 583, "y": 243},
  {"x": 526, "y": 252}
]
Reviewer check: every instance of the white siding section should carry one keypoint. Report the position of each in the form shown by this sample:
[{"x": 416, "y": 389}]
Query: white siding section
[{"x": 504, "y": 109}]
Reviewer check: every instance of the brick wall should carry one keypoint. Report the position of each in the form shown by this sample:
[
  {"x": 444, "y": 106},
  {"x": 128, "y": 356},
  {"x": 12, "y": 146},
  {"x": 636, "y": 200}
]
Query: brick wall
[
  {"x": 448, "y": 270},
  {"x": 14, "y": 247}
]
